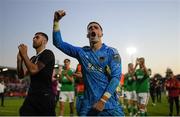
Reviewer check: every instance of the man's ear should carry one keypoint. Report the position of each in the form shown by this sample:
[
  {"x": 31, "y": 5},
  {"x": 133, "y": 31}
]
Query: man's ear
[
  {"x": 101, "y": 35},
  {"x": 88, "y": 35},
  {"x": 44, "y": 42}
]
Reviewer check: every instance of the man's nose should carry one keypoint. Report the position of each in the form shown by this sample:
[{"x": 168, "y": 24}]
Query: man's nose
[
  {"x": 34, "y": 38},
  {"x": 93, "y": 28}
]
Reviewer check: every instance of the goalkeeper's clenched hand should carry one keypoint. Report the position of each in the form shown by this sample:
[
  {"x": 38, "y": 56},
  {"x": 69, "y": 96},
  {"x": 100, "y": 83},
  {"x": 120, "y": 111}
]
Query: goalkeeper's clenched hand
[{"x": 59, "y": 14}]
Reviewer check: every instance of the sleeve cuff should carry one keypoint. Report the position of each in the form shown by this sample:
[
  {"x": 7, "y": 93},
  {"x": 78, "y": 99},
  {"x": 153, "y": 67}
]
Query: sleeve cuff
[
  {"x": 56, "y": 26},
  {"x": 107, "y": 94}
]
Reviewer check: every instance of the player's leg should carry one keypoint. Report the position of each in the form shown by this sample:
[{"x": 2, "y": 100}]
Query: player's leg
[
  {"x": 71, "y": 102},
  {"x": 134, "y": 102},
  {"x": 171, "y": 101},
  {"x": 143, "y": 103},
  {"x": 62, "y": 100}
]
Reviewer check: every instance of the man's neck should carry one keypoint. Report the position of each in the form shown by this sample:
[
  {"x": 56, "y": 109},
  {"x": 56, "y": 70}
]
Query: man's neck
[
  {"x": 130, "y": 71},
  {"x": 96, "y": 46},
  {"x": 39, "y": 50},
  {"x": 67, "y": 68}
]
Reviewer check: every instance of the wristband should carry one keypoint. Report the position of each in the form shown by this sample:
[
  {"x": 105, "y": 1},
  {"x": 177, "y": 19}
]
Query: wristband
[
  {"x": 107, "y": 94},
  {"x": 103, "y": 100},
  {"x": 56, "y": 26}
]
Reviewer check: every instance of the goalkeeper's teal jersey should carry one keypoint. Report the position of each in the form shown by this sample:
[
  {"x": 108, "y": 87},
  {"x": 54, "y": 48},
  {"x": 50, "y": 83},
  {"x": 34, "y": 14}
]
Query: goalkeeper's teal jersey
[
  {"x": 129, "y": 82},
  {"x": 101, "y": 71},
  {"x": 142, "y": 83}
]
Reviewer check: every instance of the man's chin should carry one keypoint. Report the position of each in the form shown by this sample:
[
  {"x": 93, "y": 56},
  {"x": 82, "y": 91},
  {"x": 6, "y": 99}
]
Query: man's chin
[
  {"x": 94, "y": 40},
  {"x": 34, "y": 47}
]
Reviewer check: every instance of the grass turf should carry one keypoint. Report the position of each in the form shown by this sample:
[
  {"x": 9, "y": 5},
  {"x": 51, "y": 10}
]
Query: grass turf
[{"x": 13, "y": 104}]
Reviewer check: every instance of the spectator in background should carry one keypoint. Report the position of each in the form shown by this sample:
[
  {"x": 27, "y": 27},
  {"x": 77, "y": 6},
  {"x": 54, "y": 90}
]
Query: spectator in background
[
  {"x": 153, "y": 86},
  {"x": 2, "y": 92},
  {"x": 173, "y": 88},
  {"x": 158, "y": 90}
]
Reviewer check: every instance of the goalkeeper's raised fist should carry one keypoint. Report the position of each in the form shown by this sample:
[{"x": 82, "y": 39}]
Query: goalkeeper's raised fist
[{"x": 59, "y": 14}]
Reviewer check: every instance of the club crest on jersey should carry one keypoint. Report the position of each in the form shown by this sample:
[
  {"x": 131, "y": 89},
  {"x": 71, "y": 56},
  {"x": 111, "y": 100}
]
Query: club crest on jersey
[{"x": 101, "y": 59}]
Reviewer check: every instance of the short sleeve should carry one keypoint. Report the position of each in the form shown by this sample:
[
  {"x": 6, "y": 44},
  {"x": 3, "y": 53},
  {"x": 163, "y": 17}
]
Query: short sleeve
[{"x": 46, "y": 57}]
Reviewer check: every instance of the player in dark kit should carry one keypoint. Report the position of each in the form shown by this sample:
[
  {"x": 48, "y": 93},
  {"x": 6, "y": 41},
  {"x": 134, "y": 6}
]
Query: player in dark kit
[{"x": 40, "y": 100}]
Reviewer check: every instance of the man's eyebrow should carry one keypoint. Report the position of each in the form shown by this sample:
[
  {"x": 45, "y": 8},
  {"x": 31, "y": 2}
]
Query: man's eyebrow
[{"x": 93, "y": 26}]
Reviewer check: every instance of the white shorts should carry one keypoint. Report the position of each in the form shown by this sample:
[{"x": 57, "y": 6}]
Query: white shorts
[
  {"x": 125, "y": 94},
  {"x": 131, "y": 95},
  {"x": 64, "y": 95},
  {"x": 143, "y": 98},
  {"x": 122, "y": 93}
]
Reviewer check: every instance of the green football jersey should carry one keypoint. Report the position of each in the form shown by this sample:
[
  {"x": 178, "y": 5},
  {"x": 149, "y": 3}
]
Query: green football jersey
[
  {"x": 129, "y": 82},
  {"x": 66, "y": 84},
  {"x": 142, "y": 82}
]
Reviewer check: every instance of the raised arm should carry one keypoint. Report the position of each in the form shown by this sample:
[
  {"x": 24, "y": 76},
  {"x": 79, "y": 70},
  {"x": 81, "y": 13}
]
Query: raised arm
[
  {"x": 20, "y": 70},
  {"x": 136, "y": 64},
  {"x": 57, "y": 39}
]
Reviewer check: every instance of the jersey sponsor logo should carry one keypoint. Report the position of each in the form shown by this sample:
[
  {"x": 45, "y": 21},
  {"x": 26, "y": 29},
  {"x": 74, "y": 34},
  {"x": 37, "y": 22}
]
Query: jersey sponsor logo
[
  {"x": 129, "y": 78},
  {"x": 139, "y": 77},
  {"x": 94, "y": 68},
  {"x": 90, "y": 66}
]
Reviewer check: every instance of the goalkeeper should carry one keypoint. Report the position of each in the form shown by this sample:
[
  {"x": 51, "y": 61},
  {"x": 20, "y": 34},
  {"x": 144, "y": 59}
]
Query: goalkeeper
[{"x": 101, "y": 66}]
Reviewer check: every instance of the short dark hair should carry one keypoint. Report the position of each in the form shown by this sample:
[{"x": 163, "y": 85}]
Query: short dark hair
[
  {"x": 149, "y": 69},
  {"x": 169, "y": 71},
  {"x": 43, "y": 34},
  {"x": 95, "y": 23},
  {"x": 67, "y": 60},
  {"x": 130, "y": 64}
]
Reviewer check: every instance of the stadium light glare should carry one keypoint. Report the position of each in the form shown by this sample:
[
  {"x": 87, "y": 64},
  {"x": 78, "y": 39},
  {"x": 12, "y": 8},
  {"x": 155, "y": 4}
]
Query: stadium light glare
[
  {"x": 56, "y": 65},
  {"x": 5, "y": 69},
  {"x": 131, "y": 51}
]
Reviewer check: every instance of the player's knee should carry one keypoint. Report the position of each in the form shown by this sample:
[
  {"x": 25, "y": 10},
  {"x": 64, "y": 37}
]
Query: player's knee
[{"x": 142, "y": 107}]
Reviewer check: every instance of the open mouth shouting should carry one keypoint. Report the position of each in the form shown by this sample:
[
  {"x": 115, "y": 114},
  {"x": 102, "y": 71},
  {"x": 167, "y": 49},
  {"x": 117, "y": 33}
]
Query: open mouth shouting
[
  {"x": 93, "y": 37},
  {"x": 93, "y": 34}
]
